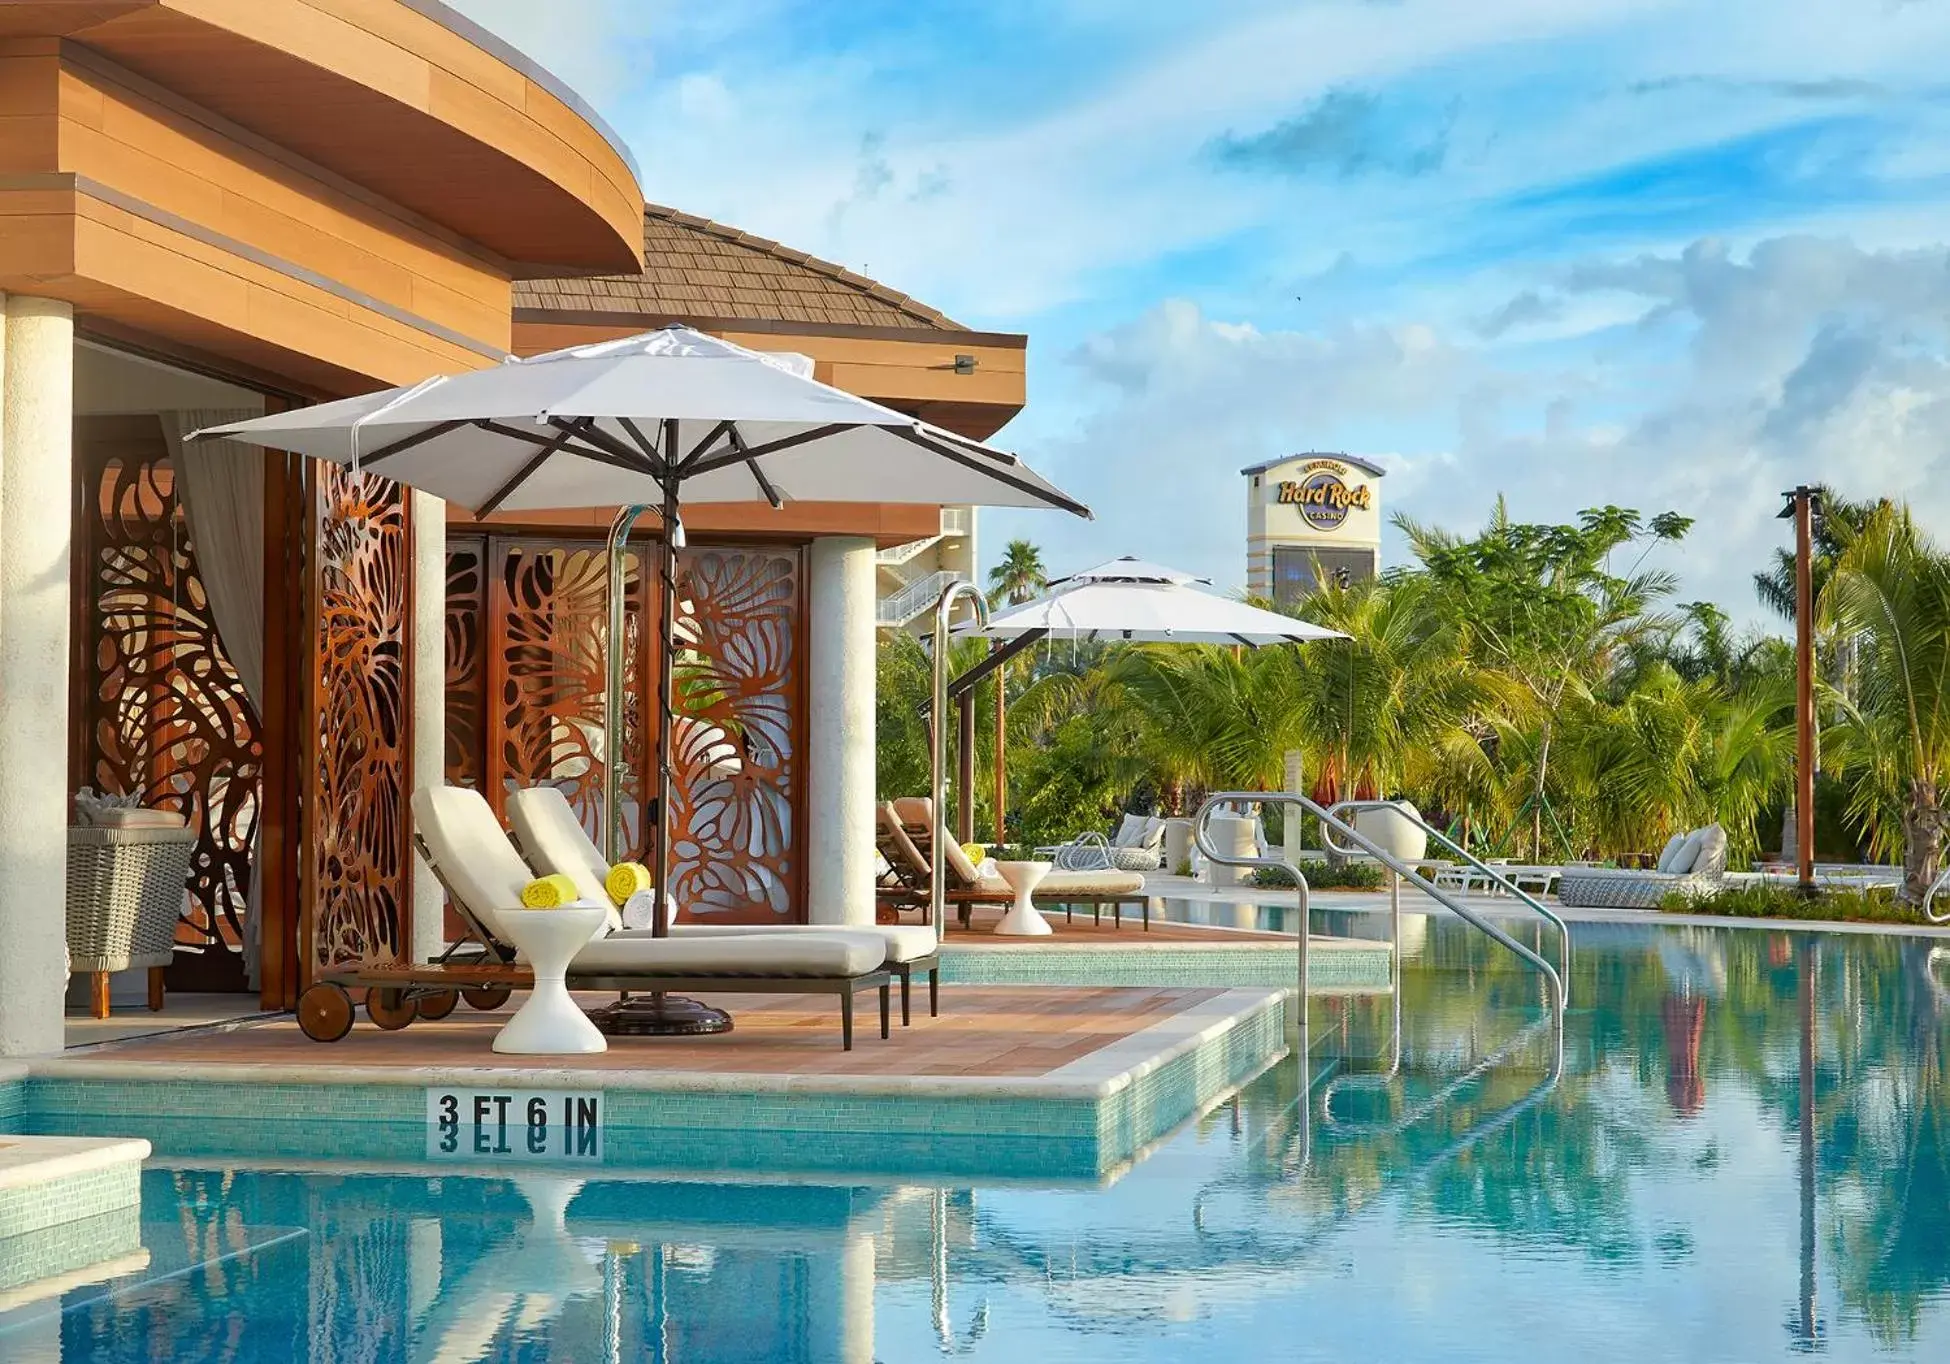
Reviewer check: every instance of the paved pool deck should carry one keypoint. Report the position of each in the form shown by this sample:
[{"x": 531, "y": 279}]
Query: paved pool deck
[{"x": 1073, "y": 1081}]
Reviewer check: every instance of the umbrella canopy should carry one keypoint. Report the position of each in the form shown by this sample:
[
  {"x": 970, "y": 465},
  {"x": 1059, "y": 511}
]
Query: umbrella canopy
[
  {"x": 609, "y": 424},
  {"x": 668, "y": 416},
  {"x": 1128, "y": 599}
]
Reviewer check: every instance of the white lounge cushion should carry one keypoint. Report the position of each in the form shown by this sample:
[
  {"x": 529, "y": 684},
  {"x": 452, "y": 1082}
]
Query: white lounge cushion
[
  {"x": 476, "y": 859},
  {"x": 1130, "y": 833},
  {"x": 1060, "y": 883},
  {"x": 1686, "y": 853},
  {"x": 1666, "y": 854},
  {"x": 825, "y": 954},
  {"x": 903, "y": 942},
  {"x": 1711, "y": 859},
  {"x": 554, "y": 840}
]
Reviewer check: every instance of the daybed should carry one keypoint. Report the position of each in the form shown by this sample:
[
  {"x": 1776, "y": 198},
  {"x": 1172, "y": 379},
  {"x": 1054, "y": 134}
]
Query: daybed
[
  {"x": 463, "y": 842},
  {"x": 906, "y": 827},
  {"x": 1693, "y": 865},
  {"x": 553, "y": 840}
]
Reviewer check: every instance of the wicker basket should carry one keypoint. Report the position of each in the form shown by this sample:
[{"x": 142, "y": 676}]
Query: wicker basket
[{"x": 125, "y": 894}]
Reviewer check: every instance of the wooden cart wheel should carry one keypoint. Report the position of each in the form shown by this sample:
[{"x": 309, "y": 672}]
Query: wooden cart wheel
[
  {"x": 486, "y": 997},
  {"x": 389, "y": 1008},
  {"x": 325, "y": 1012},
  {"x": 439, "y": 1004}
]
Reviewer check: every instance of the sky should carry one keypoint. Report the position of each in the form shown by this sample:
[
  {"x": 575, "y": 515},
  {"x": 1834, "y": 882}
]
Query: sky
[{"x": 1652, "y": 253}]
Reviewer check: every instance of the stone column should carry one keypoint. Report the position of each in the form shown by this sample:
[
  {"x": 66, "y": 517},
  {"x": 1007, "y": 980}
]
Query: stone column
[
  {"x": 429, "y": 764},
  {"x": 838, "y": 840},
  {"x": 36, "y": 494}
]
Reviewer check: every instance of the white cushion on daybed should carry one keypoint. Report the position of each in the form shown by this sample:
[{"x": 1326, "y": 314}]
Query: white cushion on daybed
[
  {"x": 1666, "y": 854},
  {"x": 555, "y": 842},
  {"x": 475, "y": 856},
  {"x": 554, "y": 838},
  {"x": 1686, "y": 853},
  {"x": 821, "y": 952}
]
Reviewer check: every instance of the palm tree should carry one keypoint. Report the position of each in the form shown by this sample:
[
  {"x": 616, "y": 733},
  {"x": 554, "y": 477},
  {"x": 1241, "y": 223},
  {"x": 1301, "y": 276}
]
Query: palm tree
[
  {"x": 1891, "y": 589},
  {"x": 1398, "y": 706},
  {"x": 1019, "y": 577}
]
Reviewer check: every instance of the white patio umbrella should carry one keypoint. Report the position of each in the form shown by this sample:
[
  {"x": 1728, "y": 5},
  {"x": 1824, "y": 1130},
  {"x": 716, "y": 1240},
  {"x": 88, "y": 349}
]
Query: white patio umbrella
[
  {"x": 650, "y": 421},
  {"x": 1127, "y": 601},
  {"x": 1130, "y": 600}
]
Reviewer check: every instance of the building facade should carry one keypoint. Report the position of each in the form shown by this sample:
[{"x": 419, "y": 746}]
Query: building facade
[
  {"x": 1311, "y": 518},
  {"x": 214, "y": 208}
]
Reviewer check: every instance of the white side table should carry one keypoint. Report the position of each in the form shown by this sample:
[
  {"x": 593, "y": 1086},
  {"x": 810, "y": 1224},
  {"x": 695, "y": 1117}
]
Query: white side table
[
  {"x": 550, "y": 1024},
  {"x": 1023, "y": 920}
]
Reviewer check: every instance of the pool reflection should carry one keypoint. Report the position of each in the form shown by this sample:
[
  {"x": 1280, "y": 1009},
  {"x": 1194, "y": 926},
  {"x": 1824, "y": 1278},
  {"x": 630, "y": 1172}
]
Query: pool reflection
[{"x": 1747, "y": 1156}]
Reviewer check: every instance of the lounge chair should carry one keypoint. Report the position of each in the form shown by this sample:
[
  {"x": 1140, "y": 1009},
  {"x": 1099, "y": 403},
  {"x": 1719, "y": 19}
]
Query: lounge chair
[
  {"x": 1138, "y": 845},
  {"x": 1693, "y": 865},
  {"x": 553, "y": 840},
  {"x": 463, "y": 842},
  {"x": 906, "y": 828}
]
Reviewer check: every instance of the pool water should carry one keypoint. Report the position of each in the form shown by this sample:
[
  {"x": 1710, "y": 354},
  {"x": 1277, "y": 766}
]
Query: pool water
[{"x": 1744, "y": 1155}]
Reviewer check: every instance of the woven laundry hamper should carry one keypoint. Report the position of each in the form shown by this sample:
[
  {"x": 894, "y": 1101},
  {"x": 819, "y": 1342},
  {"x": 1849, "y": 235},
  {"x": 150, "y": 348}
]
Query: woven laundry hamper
[{"x": 125, "y": 893}]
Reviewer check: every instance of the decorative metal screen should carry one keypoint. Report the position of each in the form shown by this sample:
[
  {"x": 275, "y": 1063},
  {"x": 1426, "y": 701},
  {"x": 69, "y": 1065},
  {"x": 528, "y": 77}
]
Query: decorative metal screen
[
  {"x": 158, "y": 707},
  {"x": 540, "y": 633},
  {"x": 735, "y": 849},
  {"x": 356, "y": 847}
]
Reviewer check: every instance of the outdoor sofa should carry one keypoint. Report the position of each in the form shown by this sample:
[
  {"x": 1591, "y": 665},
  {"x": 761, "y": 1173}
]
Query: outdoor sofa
[
  {"x": 1693, "y": 865},
  {"x": 1138, "y": 845},
  {"x": 907, "y": 827},
  {"x": 553, "y": 840},
  {"x": 462, "y": 841}
]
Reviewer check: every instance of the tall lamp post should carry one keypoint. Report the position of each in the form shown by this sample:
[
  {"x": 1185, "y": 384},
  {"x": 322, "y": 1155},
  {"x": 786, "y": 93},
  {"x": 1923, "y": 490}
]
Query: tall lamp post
[{"x": 1802, "y": 505}]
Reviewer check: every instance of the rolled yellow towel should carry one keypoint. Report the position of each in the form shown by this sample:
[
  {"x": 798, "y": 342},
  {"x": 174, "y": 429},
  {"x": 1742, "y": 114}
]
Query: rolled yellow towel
[
  {"x": 624, "y": 880},
  {"x": 975, "y": 852},
  {"x": 548, "y": 892}
]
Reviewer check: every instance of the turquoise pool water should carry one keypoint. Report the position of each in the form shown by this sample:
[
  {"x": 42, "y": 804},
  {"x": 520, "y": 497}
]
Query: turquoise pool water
[{"x": 1746, "y": 1156}]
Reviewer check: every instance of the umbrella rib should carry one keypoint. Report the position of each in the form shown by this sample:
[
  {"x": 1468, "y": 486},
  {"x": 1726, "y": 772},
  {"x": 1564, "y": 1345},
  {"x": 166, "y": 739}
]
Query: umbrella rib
[
  {"x": 758, "y": 474},
  {"x": 1046, "y": 495},
  {"x": 581, "y": 426},
  {"x": 526, "y": 472},
  {"x": 723, "y": 428},
  {"x": 658, "y": 462},
  {"x": 405, "y": 443},
  {"x": 708, "y": 464}
]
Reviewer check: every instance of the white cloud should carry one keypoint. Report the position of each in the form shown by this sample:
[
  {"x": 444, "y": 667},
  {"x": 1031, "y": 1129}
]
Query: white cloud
[{"x": 1803, "y": 360}]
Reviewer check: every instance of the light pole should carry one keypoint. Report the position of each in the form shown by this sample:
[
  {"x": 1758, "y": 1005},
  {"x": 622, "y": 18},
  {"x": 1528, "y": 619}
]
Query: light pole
[{"x": 1802, "y": 504}]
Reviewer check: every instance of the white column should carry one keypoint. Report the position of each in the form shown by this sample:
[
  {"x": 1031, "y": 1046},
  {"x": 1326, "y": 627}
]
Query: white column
[
  {"x": 838, "y": 844},
  {"x": 36, "y": 493},
  {"x": 1294, "y": 763},
  {"x": 429, "y": 639}
]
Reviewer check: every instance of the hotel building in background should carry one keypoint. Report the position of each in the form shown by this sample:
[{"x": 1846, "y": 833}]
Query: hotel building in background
[{"x": 1311, "y": 517}]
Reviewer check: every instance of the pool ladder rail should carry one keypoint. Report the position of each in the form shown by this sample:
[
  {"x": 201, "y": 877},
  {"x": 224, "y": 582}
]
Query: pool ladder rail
[{"x": 1331, "y": 824}]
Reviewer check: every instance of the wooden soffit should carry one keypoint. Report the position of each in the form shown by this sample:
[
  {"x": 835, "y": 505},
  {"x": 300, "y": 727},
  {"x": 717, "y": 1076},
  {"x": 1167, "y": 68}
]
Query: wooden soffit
[{"x": 404, "y": 97}]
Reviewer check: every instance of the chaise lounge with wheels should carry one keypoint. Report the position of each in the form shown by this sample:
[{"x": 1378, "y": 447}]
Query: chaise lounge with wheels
[
  {"x": 458, "y": 835},
  {"x": 554, "y": 841},
  {"x": 906, "y": 829}
]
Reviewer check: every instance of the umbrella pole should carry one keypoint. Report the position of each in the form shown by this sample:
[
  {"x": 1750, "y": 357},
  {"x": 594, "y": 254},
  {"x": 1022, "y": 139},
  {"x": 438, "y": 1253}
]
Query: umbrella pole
[
  {"x": 618, "y": 652},
  {"x": 656, "y": 1014}
]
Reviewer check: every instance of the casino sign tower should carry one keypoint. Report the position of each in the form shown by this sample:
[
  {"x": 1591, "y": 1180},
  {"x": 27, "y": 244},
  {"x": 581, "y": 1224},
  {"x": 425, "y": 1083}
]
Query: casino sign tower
[{"x": 1311, "y": 517}]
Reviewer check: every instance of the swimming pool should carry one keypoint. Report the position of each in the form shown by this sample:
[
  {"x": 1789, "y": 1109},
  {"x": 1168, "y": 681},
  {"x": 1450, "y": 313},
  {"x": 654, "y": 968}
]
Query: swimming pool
[{"x": 1746, "y": 1156}]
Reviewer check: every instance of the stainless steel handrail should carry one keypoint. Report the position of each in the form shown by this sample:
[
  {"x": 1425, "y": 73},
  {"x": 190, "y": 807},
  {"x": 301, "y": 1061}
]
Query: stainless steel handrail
[
  {"x": 1557, "y": 921},
  {"x": 1330, "y": 821},
  {"x": 1929, "y": 898}
]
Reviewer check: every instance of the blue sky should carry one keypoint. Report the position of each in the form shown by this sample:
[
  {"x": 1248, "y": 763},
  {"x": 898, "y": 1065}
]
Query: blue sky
[{"x": 1662, "y": 254}]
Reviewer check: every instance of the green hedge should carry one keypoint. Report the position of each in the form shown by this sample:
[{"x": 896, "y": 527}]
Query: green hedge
[
  {"x": 1773, "y": 900},
  {"x": 1324, "y": 876}
]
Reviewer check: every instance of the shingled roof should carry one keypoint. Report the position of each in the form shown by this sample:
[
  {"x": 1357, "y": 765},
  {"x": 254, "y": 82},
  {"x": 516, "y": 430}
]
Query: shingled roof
[{"x": 696, "y": 269}]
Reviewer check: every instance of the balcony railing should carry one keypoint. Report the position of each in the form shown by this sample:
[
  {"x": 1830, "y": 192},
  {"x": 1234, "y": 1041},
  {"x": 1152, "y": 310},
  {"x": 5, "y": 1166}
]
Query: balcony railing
[{"x": 914, "y": 599}]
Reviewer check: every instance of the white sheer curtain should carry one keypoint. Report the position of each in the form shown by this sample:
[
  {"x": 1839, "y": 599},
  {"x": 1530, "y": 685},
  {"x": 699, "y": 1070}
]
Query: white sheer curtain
[{"x": 221, "y": 486}]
